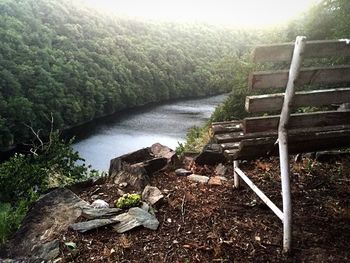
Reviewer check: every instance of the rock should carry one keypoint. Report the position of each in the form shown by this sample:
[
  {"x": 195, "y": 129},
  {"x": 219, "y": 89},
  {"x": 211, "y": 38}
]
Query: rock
[
  {"x": 99, "y": 204},
  {"x": 135, "y": 181},
  {"x": 150, "y": 160},
  {"x": 159, "y": 150},
  {"x": 48, "y": 251},
  {"x": 216, "y": 180},
  {"x": 48, "y": 218},
  {"x": 82, "y": 227},
  {"x": 145, "y": 206},
  {"x": 93, "y": 213},
  {"x": 198, "y": 178},
  {"x": 152, "y": 195},
  {"x": 220, "y": 169},
  {"x": 141, "y": 164},
  {"x": 155, "y": 165},
  {"x": 211, "y": 155},
  {"x": 123, "y": 184},
  {"x": 133, "y": 218},
  {"x": 182, "y": 172}
]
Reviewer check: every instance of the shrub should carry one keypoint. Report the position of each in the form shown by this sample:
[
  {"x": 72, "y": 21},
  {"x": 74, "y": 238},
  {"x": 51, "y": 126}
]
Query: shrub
[
  {"x": 128, "y": 200},
  {"x": 25, "y": 176}
]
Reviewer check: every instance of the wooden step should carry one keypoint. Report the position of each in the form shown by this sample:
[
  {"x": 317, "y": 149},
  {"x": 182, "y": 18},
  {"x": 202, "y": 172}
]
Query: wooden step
[
  {"x": 228, "y": 137},
  {"x": 227, "y": 127},
  {"x": 230, "y": 145},
  {"x": 305, "y": 140}
]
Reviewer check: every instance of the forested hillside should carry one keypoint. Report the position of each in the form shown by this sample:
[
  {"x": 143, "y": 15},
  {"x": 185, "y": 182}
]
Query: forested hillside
[{"x": 61, "y": 58}]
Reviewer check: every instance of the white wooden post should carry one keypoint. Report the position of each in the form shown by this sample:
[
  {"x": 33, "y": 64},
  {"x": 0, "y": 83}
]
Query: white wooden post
[
  {"x": 235, "y": 175},
  {"x": 283, "y": 140}
]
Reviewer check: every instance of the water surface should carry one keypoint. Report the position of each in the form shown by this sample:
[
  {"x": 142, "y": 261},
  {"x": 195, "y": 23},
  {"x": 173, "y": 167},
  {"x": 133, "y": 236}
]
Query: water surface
[{"x": 166, "y": 124}]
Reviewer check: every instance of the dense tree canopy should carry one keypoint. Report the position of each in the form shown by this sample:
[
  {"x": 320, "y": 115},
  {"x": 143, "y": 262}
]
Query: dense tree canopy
[{"x": 62, "y": 58}]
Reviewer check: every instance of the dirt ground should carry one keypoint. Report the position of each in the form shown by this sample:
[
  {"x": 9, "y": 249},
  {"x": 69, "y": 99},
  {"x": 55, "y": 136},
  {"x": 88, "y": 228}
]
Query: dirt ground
[{"x": 217, "y": 223}]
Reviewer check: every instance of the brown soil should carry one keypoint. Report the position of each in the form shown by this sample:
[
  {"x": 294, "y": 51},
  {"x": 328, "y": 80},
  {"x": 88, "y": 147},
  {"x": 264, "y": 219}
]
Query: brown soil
[{"x": 207, "y": 223}]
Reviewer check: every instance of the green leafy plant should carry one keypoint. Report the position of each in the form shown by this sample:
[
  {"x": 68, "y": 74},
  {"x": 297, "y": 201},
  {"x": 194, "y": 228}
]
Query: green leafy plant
[{"x": 128, "y": 200}]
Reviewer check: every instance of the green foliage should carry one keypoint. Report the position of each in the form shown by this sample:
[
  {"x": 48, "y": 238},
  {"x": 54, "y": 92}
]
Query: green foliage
[
  {"x": 195, "y": 140},
  {"x": 128, "y": 200},
  {"x": 12, "y": 216},
  {"x": 23, "y": 174},
  {"x": 61, "y": 57},
  {"x": 233, "y": 107}
]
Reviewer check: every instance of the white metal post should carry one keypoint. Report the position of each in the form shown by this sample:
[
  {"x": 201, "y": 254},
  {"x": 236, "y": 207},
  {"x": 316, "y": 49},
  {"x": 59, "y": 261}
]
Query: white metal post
[
  {"x": 283, "y": 140},
  {"x": 235, "y": 175}
]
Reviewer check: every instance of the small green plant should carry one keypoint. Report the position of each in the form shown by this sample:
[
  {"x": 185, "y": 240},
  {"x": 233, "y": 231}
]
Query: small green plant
[
  {"x": 196, "y": 139},
  {"x": 128, "y": 200}
]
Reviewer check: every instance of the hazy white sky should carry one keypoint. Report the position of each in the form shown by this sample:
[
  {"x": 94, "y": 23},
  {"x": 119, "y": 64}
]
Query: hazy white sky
[{"x": 232, "y": 12}]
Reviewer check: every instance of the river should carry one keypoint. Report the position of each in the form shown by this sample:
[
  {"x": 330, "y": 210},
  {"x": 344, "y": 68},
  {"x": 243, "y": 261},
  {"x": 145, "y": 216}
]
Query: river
[{"x": 166, "y": 124}]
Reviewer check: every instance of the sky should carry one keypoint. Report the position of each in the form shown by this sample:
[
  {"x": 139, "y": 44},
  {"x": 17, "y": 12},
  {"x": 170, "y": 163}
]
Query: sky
[{"x": 245, "y": 13}]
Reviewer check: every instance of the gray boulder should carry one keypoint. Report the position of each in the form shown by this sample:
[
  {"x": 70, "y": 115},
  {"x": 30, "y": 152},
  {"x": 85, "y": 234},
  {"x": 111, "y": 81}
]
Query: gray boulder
[
  {"x": 211, "y": 154},
  {"x": 136, "y": 167},
  {"x": 48, "y": 217}
]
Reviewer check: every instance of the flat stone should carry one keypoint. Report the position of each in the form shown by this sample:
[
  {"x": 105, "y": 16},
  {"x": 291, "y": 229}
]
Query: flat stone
[
  {"x": 216, "y": 180},
  {"x": 152, "y": 195},
  {"x": 82, "y": 227},
  {"x": 220, "y": 169},
  {"x": 133, "y": 218},
  {"x": 93, "y": 213},
  {"x": 182, "y": 172},
  {"x": 198, "y": 178}
]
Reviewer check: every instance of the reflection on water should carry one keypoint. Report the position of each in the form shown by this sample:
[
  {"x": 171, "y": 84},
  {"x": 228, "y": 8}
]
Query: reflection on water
[{"x": 166, "y": 124}]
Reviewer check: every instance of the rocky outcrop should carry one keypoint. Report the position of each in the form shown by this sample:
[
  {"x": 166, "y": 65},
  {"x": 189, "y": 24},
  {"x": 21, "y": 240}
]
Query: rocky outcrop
[
  {"x": 147, "y": 160},
  {"x": 136, "y": 167},
  {"x": 48, "y": 217}
]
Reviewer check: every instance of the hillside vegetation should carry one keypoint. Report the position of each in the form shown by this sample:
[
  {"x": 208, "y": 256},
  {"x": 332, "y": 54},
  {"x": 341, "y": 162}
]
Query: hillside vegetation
[{"x": 62, "y": 58}]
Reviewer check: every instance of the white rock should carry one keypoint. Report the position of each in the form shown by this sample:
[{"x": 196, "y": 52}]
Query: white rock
[
  {"x": 198, "y": 178},
  {"x": 99, "y": 204}
]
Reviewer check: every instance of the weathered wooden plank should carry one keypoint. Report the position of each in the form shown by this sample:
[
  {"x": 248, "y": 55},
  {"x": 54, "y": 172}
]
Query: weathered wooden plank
[
  {"x": 228, "y": 137},
  {"x": 230, "y": 145},
  {"x": 273, "y": 102},
  {"x": 227, "y": 127},
  {"x": 299, "y": 142},
  {"x": 226, "y": 122},
  {"x": 313, "y": 49},
  {"x": 297, "y": 121},
  {"x": 336, "y": 75}
]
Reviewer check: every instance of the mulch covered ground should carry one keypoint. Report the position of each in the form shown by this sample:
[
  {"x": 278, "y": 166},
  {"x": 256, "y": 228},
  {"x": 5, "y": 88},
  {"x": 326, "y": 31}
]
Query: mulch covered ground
[{"x": 217, "y": 223}]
